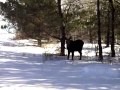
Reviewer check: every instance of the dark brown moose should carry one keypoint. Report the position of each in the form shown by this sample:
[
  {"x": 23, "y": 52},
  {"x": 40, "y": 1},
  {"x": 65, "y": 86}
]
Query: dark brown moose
[{"x": 73, "y": 46}]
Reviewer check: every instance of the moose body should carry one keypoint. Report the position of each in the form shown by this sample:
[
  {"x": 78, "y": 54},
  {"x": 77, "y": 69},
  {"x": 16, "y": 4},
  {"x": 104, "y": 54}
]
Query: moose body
[{"x": 73, "y": 46}]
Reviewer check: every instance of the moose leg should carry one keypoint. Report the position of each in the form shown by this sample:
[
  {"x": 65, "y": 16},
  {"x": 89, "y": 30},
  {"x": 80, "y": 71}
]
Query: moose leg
[
  {"x": 80, "y": 55},
  {"x": 72, "y": 55},
  {"x": 68, "y": 54}
]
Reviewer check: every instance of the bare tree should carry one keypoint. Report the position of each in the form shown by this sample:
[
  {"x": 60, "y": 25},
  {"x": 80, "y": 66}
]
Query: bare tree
[
  {"x": 62, "y": 28},
  {"x": 112, "y": 20},
  {"x": 108, "y": 29},
  {"x": 99, "y": 31}
]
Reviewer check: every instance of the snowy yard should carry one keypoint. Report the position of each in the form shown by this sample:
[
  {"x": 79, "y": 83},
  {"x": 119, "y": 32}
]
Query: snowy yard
[{"x": 27, "y": 68}]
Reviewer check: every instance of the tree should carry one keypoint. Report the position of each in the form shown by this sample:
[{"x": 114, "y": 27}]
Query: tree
[
  {"x": 108, "y": 29},
  {"x": 112, "y": 12},
  {"x": 62, "y": 28},
  {"x": 99, "y": 31},
  {"x": 32, "y": 17}
]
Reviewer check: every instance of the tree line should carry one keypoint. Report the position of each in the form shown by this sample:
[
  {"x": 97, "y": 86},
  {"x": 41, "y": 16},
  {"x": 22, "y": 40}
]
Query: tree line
[{"x": 91, "y": 20}]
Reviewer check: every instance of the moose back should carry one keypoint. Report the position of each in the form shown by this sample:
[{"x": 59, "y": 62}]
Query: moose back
[{"x": 73, "y": 46}]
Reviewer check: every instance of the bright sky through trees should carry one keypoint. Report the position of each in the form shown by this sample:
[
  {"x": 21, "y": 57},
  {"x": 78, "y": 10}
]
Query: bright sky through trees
[{"x": 2, "y": 0}]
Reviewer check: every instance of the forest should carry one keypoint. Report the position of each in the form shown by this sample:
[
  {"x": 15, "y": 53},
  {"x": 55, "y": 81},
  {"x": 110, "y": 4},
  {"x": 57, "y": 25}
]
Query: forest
[{"x": 93, "y": 21}]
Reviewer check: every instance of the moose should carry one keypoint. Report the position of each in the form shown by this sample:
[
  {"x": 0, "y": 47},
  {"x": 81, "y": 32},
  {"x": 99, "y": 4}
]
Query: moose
[{"x": 73, "y": 46}]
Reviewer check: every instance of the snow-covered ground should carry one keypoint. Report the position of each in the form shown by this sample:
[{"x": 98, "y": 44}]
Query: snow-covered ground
[{"x": 24, "y": 67}]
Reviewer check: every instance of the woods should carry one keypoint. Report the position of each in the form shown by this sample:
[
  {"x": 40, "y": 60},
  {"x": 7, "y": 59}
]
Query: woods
[{"x": 93, "y": 21}]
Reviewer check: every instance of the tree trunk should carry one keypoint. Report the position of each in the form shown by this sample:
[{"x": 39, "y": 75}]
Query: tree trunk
[
  {"x": 108, "y": 31},
  {"x": 99, "y": 31},
  {"x": 112, "y": 28},
  {"x": 39, "y": 42},
  {"x": 62, "y": 29},
  {"x": 62, "y": 42},
  {"x": 90, "y": 36}
]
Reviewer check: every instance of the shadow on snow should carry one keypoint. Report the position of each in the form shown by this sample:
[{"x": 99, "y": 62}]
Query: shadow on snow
[{"x": 27, "y": 69}]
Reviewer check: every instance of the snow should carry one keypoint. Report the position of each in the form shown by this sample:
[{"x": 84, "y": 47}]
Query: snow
[{"x": 27, "y": 67}]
